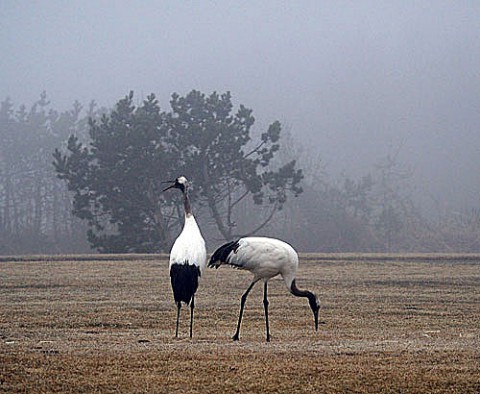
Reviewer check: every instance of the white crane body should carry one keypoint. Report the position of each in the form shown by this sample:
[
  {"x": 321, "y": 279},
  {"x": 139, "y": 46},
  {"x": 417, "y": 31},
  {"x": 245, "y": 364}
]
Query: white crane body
[
  {"x": 188, "y": 258},
  {"x": 265, "y": 258},
  {"x": 189, "y": 247}
]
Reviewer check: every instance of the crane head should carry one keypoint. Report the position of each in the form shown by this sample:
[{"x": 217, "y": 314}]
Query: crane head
[{"x": 179, "y": 183}]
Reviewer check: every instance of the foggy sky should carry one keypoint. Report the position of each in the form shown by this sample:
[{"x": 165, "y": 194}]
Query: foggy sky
[{"x": 352, "y": 80}]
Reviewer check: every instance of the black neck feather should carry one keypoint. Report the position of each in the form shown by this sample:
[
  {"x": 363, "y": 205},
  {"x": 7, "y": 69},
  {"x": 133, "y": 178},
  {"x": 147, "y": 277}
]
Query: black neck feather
[
  {"x": 186, "y": 203},
  {"x": 312, "y": 299}
]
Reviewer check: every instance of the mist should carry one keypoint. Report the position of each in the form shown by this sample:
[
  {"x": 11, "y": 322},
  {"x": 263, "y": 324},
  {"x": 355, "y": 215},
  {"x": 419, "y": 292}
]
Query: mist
[{"x": 351, "y": 81}]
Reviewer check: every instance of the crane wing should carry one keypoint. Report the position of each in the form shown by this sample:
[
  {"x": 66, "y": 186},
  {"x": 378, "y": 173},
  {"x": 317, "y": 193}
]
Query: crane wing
[{"x": 223, "y": 254}]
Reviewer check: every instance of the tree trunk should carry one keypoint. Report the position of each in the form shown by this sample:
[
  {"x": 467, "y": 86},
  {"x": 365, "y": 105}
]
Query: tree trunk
[
  {"x": 226, "y": 233},
  {"x": 38, "y": 207}
]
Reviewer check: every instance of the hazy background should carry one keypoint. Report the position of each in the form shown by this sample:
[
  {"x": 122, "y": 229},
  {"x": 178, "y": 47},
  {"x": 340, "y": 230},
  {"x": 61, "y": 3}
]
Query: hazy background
[{"x": 351, "y": 80}]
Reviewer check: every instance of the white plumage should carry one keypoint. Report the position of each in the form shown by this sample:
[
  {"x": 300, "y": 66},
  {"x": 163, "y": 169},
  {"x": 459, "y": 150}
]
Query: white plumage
[
  {"x": 188, "y": 257},
  {"x": 189, "y": 246},
  {"x": 265, "y": 258}
]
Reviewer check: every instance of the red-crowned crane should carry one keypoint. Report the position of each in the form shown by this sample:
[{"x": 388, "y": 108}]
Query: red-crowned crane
[
  {"x": 264, "y": 258},
  {"x": 188, "y": 257}
]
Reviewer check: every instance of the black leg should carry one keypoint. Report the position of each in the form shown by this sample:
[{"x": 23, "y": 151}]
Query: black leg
[
  {"x": 242, "y": 305},
  {"x": 192, "y": 305},
  {"x": 265, "y": 306},
  {"x": 179, "y": 305}
]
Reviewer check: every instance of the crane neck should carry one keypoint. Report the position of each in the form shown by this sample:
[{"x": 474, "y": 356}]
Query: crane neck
[
  {"x": 312, "y": 299},
  {"x": 296, "y": 291},
  {"x": 186, "y": 204}
]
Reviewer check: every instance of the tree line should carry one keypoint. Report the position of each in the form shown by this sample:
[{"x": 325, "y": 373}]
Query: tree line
[
  {"x": 35, "y": 207},
  {"x": 91, "y": 179}
]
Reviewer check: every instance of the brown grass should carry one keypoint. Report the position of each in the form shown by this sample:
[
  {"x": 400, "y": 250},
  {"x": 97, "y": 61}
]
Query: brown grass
[{"x": 409, "y": 326}]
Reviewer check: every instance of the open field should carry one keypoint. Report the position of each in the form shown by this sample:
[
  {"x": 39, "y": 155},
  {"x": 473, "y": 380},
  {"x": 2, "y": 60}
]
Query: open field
[{"x": 409, "y": 324}]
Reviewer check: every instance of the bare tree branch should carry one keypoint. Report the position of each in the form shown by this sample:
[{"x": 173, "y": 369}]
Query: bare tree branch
[
  {"x": 254, "y": 150},
  {"x": 262, "y": 225},
  {"x": 245, "y": 194}
]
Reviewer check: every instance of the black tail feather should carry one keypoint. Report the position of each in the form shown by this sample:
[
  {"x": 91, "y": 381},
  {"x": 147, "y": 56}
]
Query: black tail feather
[
  {"x": 184, "y": 279},
  {"x": 220, "y": 256}
]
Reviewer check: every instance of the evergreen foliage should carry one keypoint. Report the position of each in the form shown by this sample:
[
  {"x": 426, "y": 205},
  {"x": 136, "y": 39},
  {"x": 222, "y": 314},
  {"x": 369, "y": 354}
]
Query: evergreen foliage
[{"x": 116, "y": 178}]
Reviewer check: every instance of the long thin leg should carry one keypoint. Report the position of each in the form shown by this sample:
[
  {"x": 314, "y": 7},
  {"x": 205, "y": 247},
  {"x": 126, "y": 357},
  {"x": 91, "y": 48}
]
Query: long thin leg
[
  {"x": 242, "y": 305},
  {"x": 192, "y": 306},
  {"x": 265, "y": 306},
  {"x": 179, "y": 305}
]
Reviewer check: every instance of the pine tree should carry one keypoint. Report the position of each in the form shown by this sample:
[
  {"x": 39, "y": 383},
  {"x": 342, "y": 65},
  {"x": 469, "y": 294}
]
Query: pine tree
[{"x": 116, "y": 179}]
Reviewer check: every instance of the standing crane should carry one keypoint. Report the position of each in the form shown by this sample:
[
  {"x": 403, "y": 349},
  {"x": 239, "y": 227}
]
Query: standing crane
[
  {"x": 188, "y": 257},
  {"x": 264, "y": 258}
]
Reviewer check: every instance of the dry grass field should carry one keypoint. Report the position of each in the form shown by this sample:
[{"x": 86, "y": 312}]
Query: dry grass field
[{"x": 407, "y": 324}]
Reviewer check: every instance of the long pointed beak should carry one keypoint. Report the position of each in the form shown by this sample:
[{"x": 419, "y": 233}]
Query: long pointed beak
[
  {"x": 170, "y": 187},
  {"x": 315, "y": 315}
]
